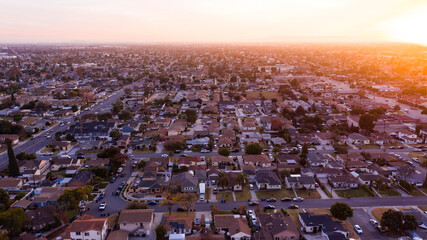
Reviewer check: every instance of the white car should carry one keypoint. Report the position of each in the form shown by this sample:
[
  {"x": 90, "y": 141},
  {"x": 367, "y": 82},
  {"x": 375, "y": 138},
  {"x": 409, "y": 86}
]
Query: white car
[
  {"x": 251, "y": 212},
  {"x": 373, "y": 222},
  {"x": 165, "y": 155},
  {"x": 102, "y": 206},
  {"x": 204, "y": 151},
  {"x": 358, "y": 229}
]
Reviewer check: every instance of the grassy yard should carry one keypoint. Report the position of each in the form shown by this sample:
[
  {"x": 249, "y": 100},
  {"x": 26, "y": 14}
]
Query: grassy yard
[
  {"x": 416, "y": 193},
  {"x": 278, "y": 194},
  {"x": 378, "y": 212},
  {"x": 101, "y": 185},
  {"x": 49, "y": 150},
  {"x": 228, "y": 196},
  {"x": 192, "y": 215},
  {"x": 244, "y": 195},
  {"x": 390, "y": 192},
  {"x": 354, "y": 192},
  {"x": 371, "y": 146},
  {"x": 307, "y": 194}
]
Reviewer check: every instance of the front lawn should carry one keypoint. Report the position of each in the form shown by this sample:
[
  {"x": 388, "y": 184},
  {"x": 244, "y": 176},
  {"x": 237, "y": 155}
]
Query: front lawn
[
  {"x": 354, "y": 192},
  {"x": 208, "y": 194},
  {"x": 278, "y": 194},
  {"x": 307, "y": 194},
  {"x": 378, "y": 212},
  {"x": 228, "y": 196},
  {"x": 371, "y": 146},
  {"x": 243, "y": 195},
  {"x": 389, "y": 192}
]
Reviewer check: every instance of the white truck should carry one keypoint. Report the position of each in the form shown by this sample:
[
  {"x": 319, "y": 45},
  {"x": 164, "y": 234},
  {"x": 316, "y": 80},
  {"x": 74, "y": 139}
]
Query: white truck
[{"x": 202, "y": 190}]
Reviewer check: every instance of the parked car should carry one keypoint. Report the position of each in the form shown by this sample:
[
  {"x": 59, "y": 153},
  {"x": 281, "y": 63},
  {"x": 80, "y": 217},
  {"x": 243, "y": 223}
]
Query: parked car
[
  {"x": 286, "y": 199},
  {"x": 251, "y": 186},
  {"x": 152, "y": 203},
  {"x": 293, "y": 206},
  {"x": 358, "y": 229},
  {"x": 373, "y": 222},
  {"x": 251, "y": 212},
  {"x": 271, "y": 200},
  {"x": 298, "y": 199},
  {"x": 165, "y": 155},
  {"x": 117, "y": 193},
  {"x": 253, "y": 203},
  {"x": 102, "y": 206},
  {"x": 269, "y": 207},
  {"x": 180, "y": 209}
]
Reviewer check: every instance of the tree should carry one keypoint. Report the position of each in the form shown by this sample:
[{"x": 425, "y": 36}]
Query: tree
[
  {"x": 224, "y": 152},
  {"x": 115, "y": 134},
  {"x": 13, "y": 165},
  {"x": 276, "y": 124},
  {"x": 393, "y": 220},
  {"x": 253, "y": 148},
  {"x": 4, "y": 199},
  {"x": 242, "y": 179},
  {"x": 71, "y": 199},
  {"x": 187, "y": 201},
  {"x": 161, "y": 232},
  {"x": 14, "y": 220},
  {"x": 223, "y": 181},
  {"x": 341, "y": 211},
  {"x": 409, "y": 222},
  {"x": 406, "y": 171},
  {"x": 125, "y": 115},
  {"x": 396, "y": 108},
  {"x": 191, "y": 115},
  {"x": 367, "y": 122},
  {"x": 25, "y": 156},
  {"x": 169, "y": 200},
  {"x": 74, "y": 108}
]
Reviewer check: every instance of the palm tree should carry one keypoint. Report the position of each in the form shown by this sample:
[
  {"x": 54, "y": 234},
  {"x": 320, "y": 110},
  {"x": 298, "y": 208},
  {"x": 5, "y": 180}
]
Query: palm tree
[
  {"x": 242, "y": 179},
  {"x": 223, "y": 181}
]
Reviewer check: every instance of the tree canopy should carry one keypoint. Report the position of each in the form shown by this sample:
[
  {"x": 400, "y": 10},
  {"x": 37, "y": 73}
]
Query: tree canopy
[
  {"x": 253, "y": 148},
  {"x": 341, "y": 211}
]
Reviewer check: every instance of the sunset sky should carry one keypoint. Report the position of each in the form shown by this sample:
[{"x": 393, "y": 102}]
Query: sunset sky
[{"x": 138, "y": 21}]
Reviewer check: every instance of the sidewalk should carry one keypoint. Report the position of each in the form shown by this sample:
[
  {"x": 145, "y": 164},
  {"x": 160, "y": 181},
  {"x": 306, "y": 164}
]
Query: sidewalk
[{"x": 253, "y": 195}]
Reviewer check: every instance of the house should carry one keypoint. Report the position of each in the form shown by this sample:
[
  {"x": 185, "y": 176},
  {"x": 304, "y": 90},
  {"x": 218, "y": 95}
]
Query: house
[
  {"x": 317, "y": 160},
  {"x": 123, "y": 141},
  {"x": 97, "y": 162},
  {"x": 225, "y": 142},
  {"x": 370, "y": 179},
  {"x": 60, "y": 145},
  {"x": 91, "y": 129},
  {"x": 13, "y": 137},
  {"x": 81, "y": 179},
  {"x": 382, "y": 138},
  {"x": 325, "y": 138},
  {"x": 137, "y": 222},
  {"x": 235, "y": 226},
  {"x": 353, "y": 121},
  {"x": 276, "y": 226},
  {"x": 358, "y": 139},
  {"x": 149, "y": 184},
  {"x": 184, "y": 182},
  {"x": 221, "y": 160},
  {"x": 118, "y": 235},
  {"x": 341, "y": 158},
  {"x": 343, "y": 181},
  {"x": 40, "y": 217},
  {"x": 278, "y": 141},
  {"x": 300, "y": 182},
  {"x": 40, "y": 166},
  {"x": 11, "y": 184},
  {"x": 323, "y": 223},
  {"x": 87, "y": 227},
  {"x": 232, "y": 181},
  {"x": 267, "y": 179},
  {"x": 257, "y": 160},
  {"x": 176, "y": 225},
  {"x": 189, "y": 161},
  {"x": 64, "y": 162}
]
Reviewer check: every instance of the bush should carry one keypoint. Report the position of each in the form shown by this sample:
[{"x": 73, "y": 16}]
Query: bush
[
  {"x": 405, "y": 185},
  {"x": 285, "y": 213}
]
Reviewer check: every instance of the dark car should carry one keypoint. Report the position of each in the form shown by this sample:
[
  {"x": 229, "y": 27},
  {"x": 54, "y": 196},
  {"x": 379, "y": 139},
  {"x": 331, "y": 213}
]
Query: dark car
[
  {"x": 269, "y": 207},
  {"x": 286, "y": 199},
  {"x": 117, "y": 193},
  {"x": 293, "y": 206},
  {"x": 253, "y": 203},
  {"x": 180, "y": 209},
  {"x": 271, "y": 200},
  {"x": 235, "y": 150},
  {"x": 152, "y": 203}
]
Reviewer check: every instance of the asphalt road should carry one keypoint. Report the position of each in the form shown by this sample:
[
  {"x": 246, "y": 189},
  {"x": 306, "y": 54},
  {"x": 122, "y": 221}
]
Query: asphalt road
[
  {"x": 39, "y": 142},
  {"x": 361, "y": 218}
]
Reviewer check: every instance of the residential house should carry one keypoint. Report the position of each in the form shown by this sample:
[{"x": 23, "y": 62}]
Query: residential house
[
  {"x": 257, "y": 160},
  {"x": 184, "y": 182},
  {"x": 60, "y": 145},
  {"x": 317, "y": 160},
  {"x": 267, "y": 179},
  {"x": 40, "y": 217},
  {"x": 64, "y": 162},
  {"x": 137, "y": 222},
  {"x": 276, "y": 226},
  {"x": 323, "y": 223},
  {"x": 81, "y": 179},
  {"x": 87, "y": 227},
  {"x": 300, "y": 182},
  {"x": 358, "y": 139},
  {"x": 176, "y": 225},
  {"x": 123, "y": 141},
  {"x": 13, "y": 137},
  {"x": 343, "y": 181},
  {"x": 11, "y": 184},
  {"x": 235, "y": 226}
]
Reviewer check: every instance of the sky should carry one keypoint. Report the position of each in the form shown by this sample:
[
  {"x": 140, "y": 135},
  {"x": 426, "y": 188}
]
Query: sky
[{"x": 211, "y": 21}]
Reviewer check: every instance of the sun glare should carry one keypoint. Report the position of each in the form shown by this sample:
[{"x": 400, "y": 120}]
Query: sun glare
[{"x": 409, "y": 27}]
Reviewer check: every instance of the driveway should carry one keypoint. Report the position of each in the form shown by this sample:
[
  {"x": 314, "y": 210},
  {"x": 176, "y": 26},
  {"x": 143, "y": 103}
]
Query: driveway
[{"x": 361, "y": 218}]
